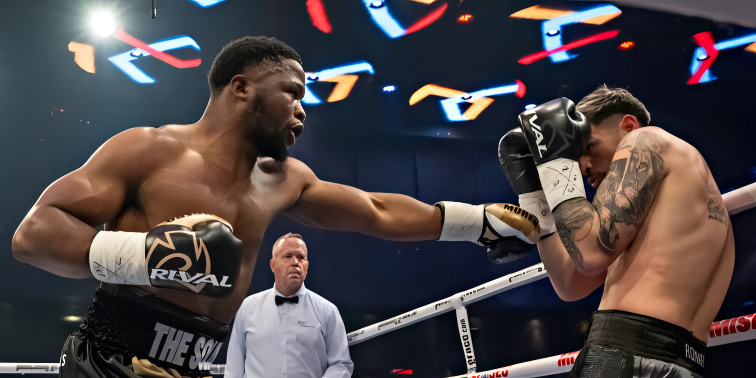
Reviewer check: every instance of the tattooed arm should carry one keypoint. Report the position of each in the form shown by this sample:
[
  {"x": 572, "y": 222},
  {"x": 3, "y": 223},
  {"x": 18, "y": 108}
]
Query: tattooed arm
[{"x": 593, "y": 235}]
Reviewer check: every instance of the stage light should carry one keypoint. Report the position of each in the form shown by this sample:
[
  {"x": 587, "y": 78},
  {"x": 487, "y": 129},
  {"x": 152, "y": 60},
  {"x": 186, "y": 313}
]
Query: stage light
[
  {"x": 479, "y": 100},
  {"x": 389, "y": 88},
  {"x": 102, "y": 24},
  {"x": 530, "y": 106},
  {"x": 380, "y": 14},
  {"x": 465, "y": 18},
  {"x": 207, "y": 3},
  {"x": 343, "y": 76},
  {"x": 702, "y": 57},
  {"x": 402, "y": 371},
  {"x": 552, "y": 28},
  {"x": 627, "y": 45}
]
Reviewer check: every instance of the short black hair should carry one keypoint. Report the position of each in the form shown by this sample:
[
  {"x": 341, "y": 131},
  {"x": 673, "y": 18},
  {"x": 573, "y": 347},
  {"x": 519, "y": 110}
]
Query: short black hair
[
  {"x": 246, "y": 52},
  {"x": 605, "y": 102}
]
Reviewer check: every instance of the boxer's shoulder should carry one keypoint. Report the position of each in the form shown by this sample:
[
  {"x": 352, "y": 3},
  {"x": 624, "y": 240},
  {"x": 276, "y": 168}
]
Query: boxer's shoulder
[{"x": 145, "y": 142}]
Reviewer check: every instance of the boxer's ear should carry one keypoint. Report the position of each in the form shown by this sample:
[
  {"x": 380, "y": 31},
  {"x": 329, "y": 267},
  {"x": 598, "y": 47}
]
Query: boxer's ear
[
  {"x": 629, "y": 123},
  {"x": 239, "y": 85}
]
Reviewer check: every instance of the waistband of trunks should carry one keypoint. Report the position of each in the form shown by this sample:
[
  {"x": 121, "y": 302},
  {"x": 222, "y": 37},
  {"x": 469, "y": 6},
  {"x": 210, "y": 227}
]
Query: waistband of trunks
[
  {"x": 130, "y": 321},
  {"x": 647, "y": 337}
]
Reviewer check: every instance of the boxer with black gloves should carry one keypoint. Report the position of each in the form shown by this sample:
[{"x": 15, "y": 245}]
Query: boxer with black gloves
[{"x": 657, "y": 234}]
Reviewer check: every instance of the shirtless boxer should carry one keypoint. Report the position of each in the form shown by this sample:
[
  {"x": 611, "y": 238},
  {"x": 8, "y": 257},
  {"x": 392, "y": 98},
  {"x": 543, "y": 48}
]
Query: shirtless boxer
[
  {"x": 170, "y": 288},
  {"x": 657, "y": 234}
]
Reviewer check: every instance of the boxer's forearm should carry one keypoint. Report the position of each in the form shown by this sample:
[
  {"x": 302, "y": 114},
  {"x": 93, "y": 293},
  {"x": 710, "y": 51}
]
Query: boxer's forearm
[
  {"x": 51, "y": 239},
  {"x": 575, "y": 222},
  {"x": 404, "y": 218},
  {"x": 568, "y": 283}
]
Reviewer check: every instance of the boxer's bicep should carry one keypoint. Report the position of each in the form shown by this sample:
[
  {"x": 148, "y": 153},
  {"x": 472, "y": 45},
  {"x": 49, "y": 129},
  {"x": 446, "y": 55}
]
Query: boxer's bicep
[
  {"x": 386, "y": 215},
  {"x": 625, "y": 196},
  {"x": 96, "y": 192},
  {"x": 595, "y": 234},
  {"x": 56, "y": 233},
  {"x": 334, "y": 206}
]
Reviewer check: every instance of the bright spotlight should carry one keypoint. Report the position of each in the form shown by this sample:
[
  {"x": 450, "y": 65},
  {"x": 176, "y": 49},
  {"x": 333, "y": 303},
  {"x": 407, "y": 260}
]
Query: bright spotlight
[{"x": 102, "y": 24}]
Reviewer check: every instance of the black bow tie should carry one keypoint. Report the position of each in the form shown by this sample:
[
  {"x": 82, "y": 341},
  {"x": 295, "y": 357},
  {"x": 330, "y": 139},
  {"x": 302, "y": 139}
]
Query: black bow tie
[{"x": 280, "y": 300}]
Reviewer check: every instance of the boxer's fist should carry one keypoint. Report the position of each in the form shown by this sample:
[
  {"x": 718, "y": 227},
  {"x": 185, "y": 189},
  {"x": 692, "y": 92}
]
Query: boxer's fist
[
  {"x": 557, "y": 135},
  {"x": 197, "y": 252},
  {"x": 555, "y": 130},
  {"x": 518, "y": 165},
  {"x": 517, "y": 162},
  {"x": 506, "y": 230}
]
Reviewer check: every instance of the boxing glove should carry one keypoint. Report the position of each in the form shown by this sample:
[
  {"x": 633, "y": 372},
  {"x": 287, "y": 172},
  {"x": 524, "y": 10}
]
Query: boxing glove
[
  {"x": 507, "y": 231},
  {"x": 557, "y": 135},
  {"x": 198, "y": 253},
  {"x": 518, "y": 165}
]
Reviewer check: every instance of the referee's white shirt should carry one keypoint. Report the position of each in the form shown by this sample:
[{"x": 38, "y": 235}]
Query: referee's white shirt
[{"x": 292, "y": 340}]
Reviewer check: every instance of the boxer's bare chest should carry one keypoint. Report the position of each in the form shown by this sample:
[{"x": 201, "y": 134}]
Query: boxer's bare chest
[
  {"x": 248, "y": 204},
  {"x": 248, "y": 201}
]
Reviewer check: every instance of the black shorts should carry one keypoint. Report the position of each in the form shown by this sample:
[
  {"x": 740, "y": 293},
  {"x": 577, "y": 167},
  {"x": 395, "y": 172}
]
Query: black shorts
[
  {"x": 622, "y": 344},
  {"x": 130, "y": 333}
]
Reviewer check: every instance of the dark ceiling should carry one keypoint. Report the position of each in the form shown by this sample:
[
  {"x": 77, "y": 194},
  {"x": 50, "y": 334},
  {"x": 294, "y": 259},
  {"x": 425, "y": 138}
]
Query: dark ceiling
[{"x": 55, "y": 114}]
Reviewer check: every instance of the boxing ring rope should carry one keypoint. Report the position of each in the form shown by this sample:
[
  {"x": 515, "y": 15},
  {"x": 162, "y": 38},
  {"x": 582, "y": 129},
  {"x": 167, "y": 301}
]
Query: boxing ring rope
[{"x": 722, "y": 332}]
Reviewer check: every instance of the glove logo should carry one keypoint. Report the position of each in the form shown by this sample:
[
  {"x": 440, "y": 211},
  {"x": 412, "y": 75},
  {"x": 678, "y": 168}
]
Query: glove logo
[
  {"x": 173, "y": 264},
  {"x": 538, "y": 134}
]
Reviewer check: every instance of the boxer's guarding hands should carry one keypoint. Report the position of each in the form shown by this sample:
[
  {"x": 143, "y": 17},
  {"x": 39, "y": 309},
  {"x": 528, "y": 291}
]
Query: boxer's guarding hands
[
  {"x": 197, "y": 252},
  {"x": 557, "y": 135},
  {"x": 507, "y": 231},
  {"x": 517, "y": 163}
]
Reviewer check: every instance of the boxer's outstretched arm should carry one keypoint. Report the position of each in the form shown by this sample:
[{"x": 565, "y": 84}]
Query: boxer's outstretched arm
[
  {"x": 56, "y": 233},
  {"x": 389, "y": 216},
  {"x": 593, "y": 235}
]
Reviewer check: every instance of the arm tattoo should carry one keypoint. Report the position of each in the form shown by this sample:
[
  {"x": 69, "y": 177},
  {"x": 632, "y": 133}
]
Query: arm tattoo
[
  {"x": 624, "y": 196},
  {"x": 714, "y": 201},
  {"x": 570, "y": 216},
  {"x": 630, "y": 187}
]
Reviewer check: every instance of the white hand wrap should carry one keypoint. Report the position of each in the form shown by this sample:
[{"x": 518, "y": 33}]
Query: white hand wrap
[
  {"x": 561, "y": 181},
  {"x": 462, "y": 222},
  {"x": 482, "y": 224},
  {"x": 535, "y": 203},
  {"x": 118, "y": 257}
]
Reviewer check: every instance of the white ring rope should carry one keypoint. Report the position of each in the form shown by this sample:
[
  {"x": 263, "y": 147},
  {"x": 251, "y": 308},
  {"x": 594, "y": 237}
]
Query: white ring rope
[{"x": 722, "y": 332}]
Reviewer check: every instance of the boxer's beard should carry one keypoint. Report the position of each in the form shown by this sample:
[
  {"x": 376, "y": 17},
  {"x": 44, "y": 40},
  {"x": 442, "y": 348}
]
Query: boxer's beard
[
  {"x": 268, "y": 141},
  {"x": 271, "y": 144}
]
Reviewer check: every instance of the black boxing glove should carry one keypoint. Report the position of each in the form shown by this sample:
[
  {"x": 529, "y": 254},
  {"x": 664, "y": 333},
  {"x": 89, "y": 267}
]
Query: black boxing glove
[
  {"x": 197, "y": 253},
  {"x": 557, "y": 135},
  {"x": 518, "y": 165},
  {"x": 507, "y": 231}
]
